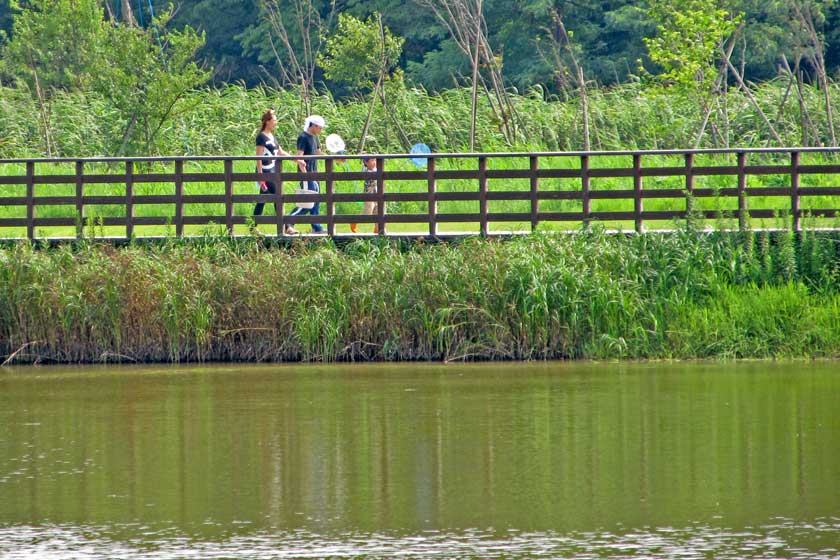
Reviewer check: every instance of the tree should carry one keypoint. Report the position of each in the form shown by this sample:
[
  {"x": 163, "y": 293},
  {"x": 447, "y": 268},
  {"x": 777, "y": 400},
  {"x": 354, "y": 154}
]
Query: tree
[
  {"x": 53, "y": 43},
  {"x": 689, "y": 41},
  {"x": 362, "y": 55},
  {"x": 296, "y": 40},
  {"x": 809, "y": 15},
  {"x": 565, "y": 58},
  {"x": 142, "y": 72},
  {"x": 52, "y": 46},
  {"x": 465, "y": 21},
  {"x": 226, "y": 27},
  {"x": 5, "y": 17}
]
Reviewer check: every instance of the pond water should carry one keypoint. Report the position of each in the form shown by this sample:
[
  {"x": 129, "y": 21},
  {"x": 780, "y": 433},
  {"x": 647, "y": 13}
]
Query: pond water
[{"x": 539, "y": 460}]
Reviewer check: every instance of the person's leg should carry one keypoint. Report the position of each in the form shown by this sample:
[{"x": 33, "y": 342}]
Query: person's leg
[
  {"x": 296, "y": 211},
  {"x": 313, "y": 186},
  {"x": 266, "y": 187},
  {"x": 258, "y": 208},
  {"x": 271, "y": 189}
]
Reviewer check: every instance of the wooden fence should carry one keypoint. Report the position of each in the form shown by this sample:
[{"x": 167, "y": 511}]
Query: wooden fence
[{"x": 520, "y": 179}]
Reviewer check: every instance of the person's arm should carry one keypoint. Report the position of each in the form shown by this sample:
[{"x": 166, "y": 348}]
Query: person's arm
[
  {"x": 301, "y": 163},
  {"x": 260, "y": 151}
]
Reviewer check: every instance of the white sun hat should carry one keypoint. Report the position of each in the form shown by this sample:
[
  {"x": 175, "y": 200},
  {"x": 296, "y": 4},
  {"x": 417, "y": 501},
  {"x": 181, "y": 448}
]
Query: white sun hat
[
  {"x": 314, "y": 119},
  {"x": 334, "y": 143}
]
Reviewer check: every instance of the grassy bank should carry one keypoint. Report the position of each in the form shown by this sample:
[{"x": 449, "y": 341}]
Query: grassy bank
[{"x": 687, "y": 295}]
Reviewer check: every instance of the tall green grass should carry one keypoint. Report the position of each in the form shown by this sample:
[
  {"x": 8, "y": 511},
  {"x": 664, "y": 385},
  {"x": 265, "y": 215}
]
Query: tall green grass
[
  {"x": 591, "y": 295},
  {"x": 224, "y": 120}
]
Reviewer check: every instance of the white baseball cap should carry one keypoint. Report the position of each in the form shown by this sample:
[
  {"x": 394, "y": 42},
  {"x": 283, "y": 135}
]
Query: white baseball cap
[{"x": 314, "y": 119}]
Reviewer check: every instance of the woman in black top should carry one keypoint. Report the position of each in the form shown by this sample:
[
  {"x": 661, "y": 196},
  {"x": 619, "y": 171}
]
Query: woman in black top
[{"x": 267, "y": 146}]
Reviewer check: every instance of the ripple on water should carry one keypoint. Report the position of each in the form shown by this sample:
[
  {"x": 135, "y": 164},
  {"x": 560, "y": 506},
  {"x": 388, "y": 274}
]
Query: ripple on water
[{"x": 782, "y": 539}]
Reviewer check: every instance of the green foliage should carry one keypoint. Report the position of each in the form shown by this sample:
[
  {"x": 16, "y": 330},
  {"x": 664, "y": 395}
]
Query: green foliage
[
  {"x": 224, "y": 26},
  {"x": 217, "y": 121},
  {"x": 610, "y": 34},
  {"x": 689, "y": 36},
  {"x": 592, "y": 295},
  {"x": 358, "y": 52},
  {"x": 55, "y": 42},
  {"x": 63, "y": 47},
  {"x": 143, "y": 73},
  {"x": 6, "y": 7}
]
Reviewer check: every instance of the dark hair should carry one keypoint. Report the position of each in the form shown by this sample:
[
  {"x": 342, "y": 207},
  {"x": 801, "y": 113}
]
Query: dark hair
[{"x": 267, "y": 116}]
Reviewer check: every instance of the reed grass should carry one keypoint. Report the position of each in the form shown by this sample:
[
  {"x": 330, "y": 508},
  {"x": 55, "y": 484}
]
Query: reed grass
[
  {"x": 217, "y": 121},
  {"x": 224, "y": 120},
  {"x": 591, "y": 295}
]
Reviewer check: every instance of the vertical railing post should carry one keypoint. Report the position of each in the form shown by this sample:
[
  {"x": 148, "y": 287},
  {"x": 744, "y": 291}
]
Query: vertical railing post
[
  {"x": 278, "y": 198},
  {"x": 535, "y": 192},
  {"x": 229, "y": 196},
  {"x": 586, "y": 186},
  {"x": 129, "y": 199},
  {"x": 80, "y": 206},
  {"x": 330, "y": 203},
  {"x": 482, "y": 194},
  {"x": 637, "y": 192},
  {"x": 380, "y": 195},
  {"x": 794, "y": 191},
  {"x": 30, "y": 200},
  {"x": 689, "y": 188},
  {"x": 432, "y": 182},
  {"x": 179, "y": 198},
  {"x": 742, "y": 191}
]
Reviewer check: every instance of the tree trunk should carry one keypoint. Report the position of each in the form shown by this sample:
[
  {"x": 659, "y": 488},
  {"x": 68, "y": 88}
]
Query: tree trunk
[
  {"x": 806, "y": 19},
  {"x": 584, "y": 101},
  {"x": 707, "y": 107},
  {"x": 474, "y": 104},
  {"x": 42, "y": 107},
  {"x": 373, "y": 99},
  {"x": 403, "y": 136},
  {"x": 127, "y": 15},
  {"x": 127, "y": 134}
]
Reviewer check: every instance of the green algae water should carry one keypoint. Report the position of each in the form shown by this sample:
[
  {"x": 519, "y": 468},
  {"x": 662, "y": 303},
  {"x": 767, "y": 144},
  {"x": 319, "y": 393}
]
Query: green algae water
[{"x": 540, "y": 460}]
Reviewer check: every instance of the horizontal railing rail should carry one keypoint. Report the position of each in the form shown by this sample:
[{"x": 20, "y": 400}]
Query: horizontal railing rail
[{"x": 630, "y": 189}]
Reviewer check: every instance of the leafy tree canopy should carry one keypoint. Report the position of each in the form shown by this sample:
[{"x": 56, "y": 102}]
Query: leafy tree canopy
[{"x": 608, "y": 36}]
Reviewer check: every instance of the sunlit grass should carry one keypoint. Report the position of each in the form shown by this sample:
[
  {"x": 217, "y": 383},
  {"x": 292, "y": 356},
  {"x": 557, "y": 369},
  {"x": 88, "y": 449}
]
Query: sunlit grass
[{"x": 779, "y": 206}]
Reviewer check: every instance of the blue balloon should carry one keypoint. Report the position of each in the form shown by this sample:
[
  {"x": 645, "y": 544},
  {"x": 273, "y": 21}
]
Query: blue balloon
[{"x": 419, "y": 148}]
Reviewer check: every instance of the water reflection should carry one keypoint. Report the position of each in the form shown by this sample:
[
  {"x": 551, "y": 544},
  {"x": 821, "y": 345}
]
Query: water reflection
[
  {"x": 579, "y": 459},
  {"x": 779, "y": 539}
]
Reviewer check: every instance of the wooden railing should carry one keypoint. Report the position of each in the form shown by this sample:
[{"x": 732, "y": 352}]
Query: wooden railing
[{"x": 522, "y": 182}]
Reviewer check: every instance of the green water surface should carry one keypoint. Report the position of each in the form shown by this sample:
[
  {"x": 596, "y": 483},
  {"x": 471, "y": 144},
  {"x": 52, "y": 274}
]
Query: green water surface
[{"x": 514, "y": 460}]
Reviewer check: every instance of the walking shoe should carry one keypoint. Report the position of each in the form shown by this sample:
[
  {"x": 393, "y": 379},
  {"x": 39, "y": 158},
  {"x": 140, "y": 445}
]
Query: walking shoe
[
  {"x": 353, "y": 228},
  {"x": 291, "y": 231},
  {"x": 317, "y": 228}
]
